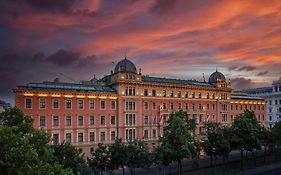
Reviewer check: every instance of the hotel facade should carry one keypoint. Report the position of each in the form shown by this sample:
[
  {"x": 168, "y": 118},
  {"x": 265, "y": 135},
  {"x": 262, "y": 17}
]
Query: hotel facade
[{"x": 128, "y": 105}]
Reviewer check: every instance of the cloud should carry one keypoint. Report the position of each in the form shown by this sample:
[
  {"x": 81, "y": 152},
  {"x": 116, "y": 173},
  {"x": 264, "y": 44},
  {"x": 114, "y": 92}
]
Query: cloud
[
  {"x": 247, "y": 68},
  {"x": 49, "y": 5},
  {"x": 241, "y": 83},
  {"x": 262, "y": 73},
  {"x": 160, "y": 36},
  {"x": 22, "y": 67},
  {"x": 163, "y": 6}
]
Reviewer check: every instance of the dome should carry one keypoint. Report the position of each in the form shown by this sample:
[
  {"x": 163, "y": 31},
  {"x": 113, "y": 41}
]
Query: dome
[
  {"x": 216, "y": 75},
  {"x": 125, "y": 66}
]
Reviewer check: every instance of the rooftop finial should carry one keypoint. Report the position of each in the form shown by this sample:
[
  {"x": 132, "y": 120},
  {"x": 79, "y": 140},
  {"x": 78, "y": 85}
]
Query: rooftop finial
[{"x": 216, "y": 69}]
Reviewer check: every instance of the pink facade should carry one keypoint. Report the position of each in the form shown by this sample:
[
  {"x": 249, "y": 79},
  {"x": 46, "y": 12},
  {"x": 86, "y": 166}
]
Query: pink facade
[{"x": 128, "y": 105}]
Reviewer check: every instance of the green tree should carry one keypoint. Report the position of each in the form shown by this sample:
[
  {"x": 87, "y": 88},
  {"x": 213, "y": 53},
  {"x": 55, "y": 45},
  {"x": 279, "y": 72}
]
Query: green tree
[
  {"x": 67, "y": 155},
  {"x": 177, "y": 143},
  {"x": 24, "y": 149},
  {"x": 246, "y": 133},
  {"x": 267, "y": 140},
  {"x": 100, "y": 160},
  {"x": 138, "y": 155},
  {"x": 119, "y": 154},
  {"x": 276, "y": 134}
]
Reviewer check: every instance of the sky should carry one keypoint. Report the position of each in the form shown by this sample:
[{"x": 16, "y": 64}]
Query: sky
[{"x": 76, "y": 40}]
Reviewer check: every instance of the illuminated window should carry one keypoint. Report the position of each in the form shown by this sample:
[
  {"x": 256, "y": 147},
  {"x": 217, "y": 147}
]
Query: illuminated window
[
  {"x": 42, "y": 103},
  {"x": 68, "y": 104},
  {"x": 80, "y": 104}
]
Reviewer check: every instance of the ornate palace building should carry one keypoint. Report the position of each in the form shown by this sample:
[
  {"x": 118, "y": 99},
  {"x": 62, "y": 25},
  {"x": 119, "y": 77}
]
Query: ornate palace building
[{"x": 128, "y": 105}]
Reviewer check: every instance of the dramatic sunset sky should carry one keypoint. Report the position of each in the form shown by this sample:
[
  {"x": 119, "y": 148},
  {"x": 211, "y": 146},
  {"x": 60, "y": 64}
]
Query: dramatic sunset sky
[{"x": 44, "y": 39}]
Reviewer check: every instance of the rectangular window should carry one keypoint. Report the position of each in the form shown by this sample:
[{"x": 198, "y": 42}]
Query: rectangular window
[
  {"x": 102, "y": 120},
  {"x": 164, "y": 93},
  {"x": 55, "y": 139},
  {"x": 154, "y": 93},
  {"x": 92, "y": 136},
  {"x": 56, "y": 104},
  {"x": 68, "y": 137},
  {"x": 164, "y": 105},
  {"x": 68, "y": 104},
  {"x": 112, "y": 135},
  {"x": 80, "y": 120},
  {"x": 68, "y": 120},
  {"x": 130, "y": 119},
  {"x": 80, "y": 137},
  {"x": 146, "y": 120},
  {"x": 28, "y": 103},
  {"x": 179, "y": 105},
  {"x": 112, "y": 104},
  {"x": 42, "y": 103},
  {"x": 42, "y": 121},
  {"x": 102, "y": 136},
  {"x": 80, "y": 104},
  {"x": 172, "y": 106},
  {"x": 145, "y": 92},
  {"x": 55, "y": 120},
  {"x": 92, "y": 120},
  {"x": 112, "y": 120},
  {"x": 154, "y": 120},
  {"x": 92, "y": 104},
  {"x": 145, "y": 135},
  {"x": 153, "y": 105},
  {"x": 153, "y": 133},
  {"x": 102, "y": 104},
  {"x": 146, "y": 105},
  {"x": 130, "y": 134}
]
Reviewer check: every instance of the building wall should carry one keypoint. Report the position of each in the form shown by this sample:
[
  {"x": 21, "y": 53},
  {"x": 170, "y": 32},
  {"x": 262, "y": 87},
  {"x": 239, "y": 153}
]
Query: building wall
[{"x": 150, "y": 111}]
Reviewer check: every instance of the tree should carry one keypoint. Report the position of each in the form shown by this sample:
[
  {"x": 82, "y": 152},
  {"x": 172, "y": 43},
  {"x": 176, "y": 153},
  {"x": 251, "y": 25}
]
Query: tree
[
  {"x": 138, "y": 155},
  {"x": 246, "y": 133},
  {"x": 276, "y": 134},
  {"x": 67, "y": 155},
  {"x": 267, "y": 140},
  {"x": 119, "y": 154},
  {"x": 177, "y": 143},
  {"x": 24, "y": 149},
  {"x": 100, "y": 160}
]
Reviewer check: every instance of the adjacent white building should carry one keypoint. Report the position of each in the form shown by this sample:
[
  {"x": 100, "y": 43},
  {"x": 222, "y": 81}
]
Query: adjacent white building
[{"x": 272, "y": 95}]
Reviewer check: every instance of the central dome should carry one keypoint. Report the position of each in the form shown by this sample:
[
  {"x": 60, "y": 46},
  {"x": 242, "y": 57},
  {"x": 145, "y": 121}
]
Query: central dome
[
  {"x": 215, "y": 76},
  {"x": 125, "y": 66}
]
